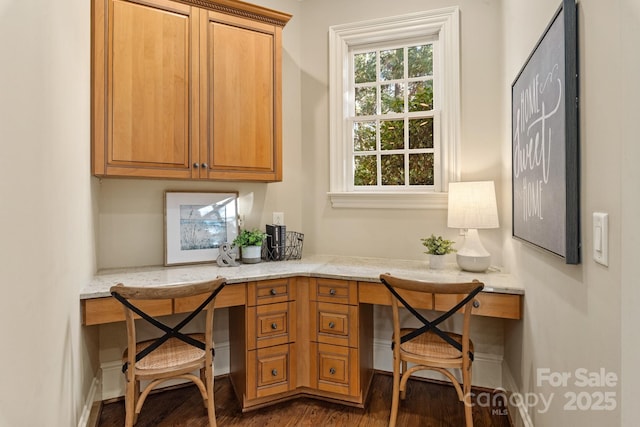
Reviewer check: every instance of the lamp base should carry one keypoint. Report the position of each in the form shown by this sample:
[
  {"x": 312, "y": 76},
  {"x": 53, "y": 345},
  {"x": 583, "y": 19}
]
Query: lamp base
[
  {"x": 476, "y": 264},
  {"x": 473, "y": 256}
]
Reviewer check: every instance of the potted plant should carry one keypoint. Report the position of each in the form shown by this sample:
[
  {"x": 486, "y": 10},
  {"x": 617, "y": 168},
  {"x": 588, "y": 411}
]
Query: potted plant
[
  {"x": 250, "y": 244},
  {"x": 437, "y": 248}
]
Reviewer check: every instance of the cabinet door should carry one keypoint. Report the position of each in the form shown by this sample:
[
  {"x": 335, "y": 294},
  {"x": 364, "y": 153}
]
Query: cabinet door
[
  {"x": 270, "y": 292},
  {"x": 143, "y": 61},
  {"x": 271, "y": 324},
  {"x": 240, "y": 86},
  {"x": 334, "y": 323},
  {"x": 335, "y": 369},
  {"x": 335, "y": 291}
]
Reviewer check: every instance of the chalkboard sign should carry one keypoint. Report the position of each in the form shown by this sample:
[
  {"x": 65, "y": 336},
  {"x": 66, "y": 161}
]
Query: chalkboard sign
[{"x": 545, "y": 168}]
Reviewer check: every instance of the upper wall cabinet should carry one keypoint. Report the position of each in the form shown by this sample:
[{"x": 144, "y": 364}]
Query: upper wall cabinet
[{"x": 187, "y": 90}]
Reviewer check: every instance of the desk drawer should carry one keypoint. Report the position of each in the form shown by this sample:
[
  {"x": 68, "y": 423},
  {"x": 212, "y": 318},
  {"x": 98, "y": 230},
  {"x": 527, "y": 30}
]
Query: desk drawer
[
  {"x": 335, "y": 291},
  {"x": 269, "y": 371},
  {"x": 335, "y": 369},
  {"x": 377, "y": 293},
  {"x": 507, "y": 306},
  {"x": 334, "y": 323},
  {"x": 108, "y": 309},
  {"x": 271, "y": 324},
  {"x": 270, "y": 291},
  {"x": 229, "y": 296}
]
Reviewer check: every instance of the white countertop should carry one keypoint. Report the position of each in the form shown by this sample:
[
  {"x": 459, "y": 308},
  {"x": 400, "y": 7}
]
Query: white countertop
[{"x": 330, "y": 266}]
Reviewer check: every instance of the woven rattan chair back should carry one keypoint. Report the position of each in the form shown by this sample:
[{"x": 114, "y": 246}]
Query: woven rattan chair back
[
  {"x": 429, "y": 347},
  {"x": 174, "y": 355}
]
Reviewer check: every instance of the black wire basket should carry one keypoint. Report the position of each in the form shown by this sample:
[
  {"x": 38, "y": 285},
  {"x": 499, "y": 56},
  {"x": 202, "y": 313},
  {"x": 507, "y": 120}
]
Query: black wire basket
[{"x": 292, "y": 249}]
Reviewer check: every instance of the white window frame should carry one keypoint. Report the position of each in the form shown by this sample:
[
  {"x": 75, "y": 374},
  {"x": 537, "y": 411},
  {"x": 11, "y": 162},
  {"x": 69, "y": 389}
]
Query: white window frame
[{"x": 442, "y": 24}]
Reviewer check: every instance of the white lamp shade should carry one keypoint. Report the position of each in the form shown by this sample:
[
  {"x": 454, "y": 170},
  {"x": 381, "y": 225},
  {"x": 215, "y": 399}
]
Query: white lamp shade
[{"x": 472, "y": 205}]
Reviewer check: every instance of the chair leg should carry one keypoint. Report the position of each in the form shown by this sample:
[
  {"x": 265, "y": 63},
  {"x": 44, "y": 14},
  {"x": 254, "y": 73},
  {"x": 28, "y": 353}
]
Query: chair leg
[
  {"x": 403, "y": 391},
  {"x": 211, "y": 406},
  {"x": 466, "y": 388},
  {"x": 395, "y": 400},
  {"x": 203, "y": 378},
  {"x": 130, "y": 403},
  {"x": 136, "y": 398}
]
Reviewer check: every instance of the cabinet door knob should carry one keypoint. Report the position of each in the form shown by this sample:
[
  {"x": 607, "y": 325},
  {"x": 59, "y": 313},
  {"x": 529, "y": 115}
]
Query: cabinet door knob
[
  {"x": 273, "y": 292},
  {"x": 332, "y": 371},
  {"x": 332, "y": 325},
  {"x": 205, "y": 166},
  {"x": 332, "y": 291},
  {"x": 476, "y": 303},
  {"x": 274, "y": 326},
  {"x": 274, "y": 372},
  {"x": 196, "y": 165}
]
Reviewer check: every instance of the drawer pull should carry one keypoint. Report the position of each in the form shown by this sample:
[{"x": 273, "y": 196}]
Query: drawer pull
[
  {"x": 476, "y": 303},
  {"x": 273, "y": 292},
  {"x": 332, "y": 291},
  {"x": 332, "y": 325},
  {"x": 332, "y": 371},
  {"x": 274, "y": 372},
  {"x": 274, "y": 326}
]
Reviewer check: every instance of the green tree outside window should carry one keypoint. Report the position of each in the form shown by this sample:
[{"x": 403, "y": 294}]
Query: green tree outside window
[{"x": 393, "y": 126}]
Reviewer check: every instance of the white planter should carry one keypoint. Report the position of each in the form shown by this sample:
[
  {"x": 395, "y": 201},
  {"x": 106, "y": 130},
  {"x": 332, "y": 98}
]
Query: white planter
[
  {"x": 437, "y": 262},
  {"x": 251, "y": 254}
]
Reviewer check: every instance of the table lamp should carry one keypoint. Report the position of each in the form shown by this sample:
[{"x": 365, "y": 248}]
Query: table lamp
[{"x": 472, "y": 205}]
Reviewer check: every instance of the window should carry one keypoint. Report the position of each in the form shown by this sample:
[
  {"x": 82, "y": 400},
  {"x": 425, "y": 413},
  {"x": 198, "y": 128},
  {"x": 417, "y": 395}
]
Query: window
[
  {"x": 392, "y": 125},
  {"x": 394, "y": 102}
]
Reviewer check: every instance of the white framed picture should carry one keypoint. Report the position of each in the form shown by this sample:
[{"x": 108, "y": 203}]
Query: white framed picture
[{"x": 197, "y": 224}]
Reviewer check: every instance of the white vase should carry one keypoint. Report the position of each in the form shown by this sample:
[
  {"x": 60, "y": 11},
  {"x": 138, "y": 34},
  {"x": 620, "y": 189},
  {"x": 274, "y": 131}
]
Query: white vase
[
  {"x": 436, "y": 262},
  {"x": 251, "y": 254}
]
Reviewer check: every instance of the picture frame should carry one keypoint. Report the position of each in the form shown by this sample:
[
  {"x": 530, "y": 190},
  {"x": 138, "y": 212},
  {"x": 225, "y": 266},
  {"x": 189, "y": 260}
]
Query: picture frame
[
  {"x": 196, "y": 224},
  {"x": 545, "y": 141}
]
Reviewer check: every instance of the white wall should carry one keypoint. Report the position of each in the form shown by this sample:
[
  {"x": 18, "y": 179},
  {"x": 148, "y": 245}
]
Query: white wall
[
  {"x": 572, "y": 313},
  {"x": 46, "y": 222},
  {"x": 630, "y": 202}
]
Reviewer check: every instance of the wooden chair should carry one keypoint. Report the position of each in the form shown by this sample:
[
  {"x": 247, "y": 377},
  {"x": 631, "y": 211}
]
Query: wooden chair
[
  {"x": 428, "y": 347},
  {"x": 174, "y": 355}
]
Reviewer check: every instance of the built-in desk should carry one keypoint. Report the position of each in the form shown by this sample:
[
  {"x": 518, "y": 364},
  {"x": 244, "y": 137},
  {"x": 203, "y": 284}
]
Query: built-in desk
[{"x": 300, "y": 327}]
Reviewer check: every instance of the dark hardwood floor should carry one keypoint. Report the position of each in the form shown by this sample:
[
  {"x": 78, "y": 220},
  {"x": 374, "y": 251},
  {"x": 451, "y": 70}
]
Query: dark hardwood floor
[{"x": 427, "y": 404}]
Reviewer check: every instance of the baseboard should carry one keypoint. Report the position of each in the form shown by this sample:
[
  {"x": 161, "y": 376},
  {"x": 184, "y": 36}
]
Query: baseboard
[
  {"x": 92, "y": 396},
  {"x": 113, "y": 379},
  {"x": 487, "y": 368},
  {"x": 518, "y": 411}
]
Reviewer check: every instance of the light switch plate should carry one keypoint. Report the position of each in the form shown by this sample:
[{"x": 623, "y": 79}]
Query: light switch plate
[{"x": 601, "y": 238}]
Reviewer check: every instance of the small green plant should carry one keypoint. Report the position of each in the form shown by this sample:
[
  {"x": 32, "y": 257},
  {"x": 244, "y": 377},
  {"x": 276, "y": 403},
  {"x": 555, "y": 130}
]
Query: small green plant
[
  {"x": 249, "y": 238},
  {"x": 438, "y": 245}
]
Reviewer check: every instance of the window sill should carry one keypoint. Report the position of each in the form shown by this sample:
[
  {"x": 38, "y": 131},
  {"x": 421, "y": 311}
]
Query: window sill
[{"x": 380, "y": 200}]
